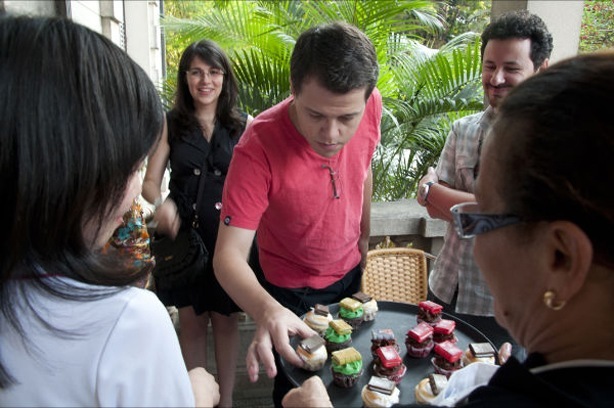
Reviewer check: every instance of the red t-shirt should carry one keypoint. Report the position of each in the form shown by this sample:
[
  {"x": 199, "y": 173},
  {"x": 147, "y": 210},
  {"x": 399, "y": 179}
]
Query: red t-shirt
[{"x": 277, "y": 186}]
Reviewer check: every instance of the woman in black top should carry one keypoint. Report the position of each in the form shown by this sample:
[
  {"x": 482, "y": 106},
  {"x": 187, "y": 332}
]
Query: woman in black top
[{"x": 201, "y": 130}]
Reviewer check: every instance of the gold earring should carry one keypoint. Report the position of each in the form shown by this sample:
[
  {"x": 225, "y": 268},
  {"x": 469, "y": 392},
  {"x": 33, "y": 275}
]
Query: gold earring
[{"x": 549, "y": 301}]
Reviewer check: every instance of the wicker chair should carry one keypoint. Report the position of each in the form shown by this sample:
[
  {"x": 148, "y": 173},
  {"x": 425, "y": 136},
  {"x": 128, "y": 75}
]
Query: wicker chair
[{"x": 396, "y": 275}]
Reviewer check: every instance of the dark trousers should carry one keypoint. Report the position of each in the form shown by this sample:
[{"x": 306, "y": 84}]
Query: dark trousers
[
  {"x": 485, "y": 324},
  {"x": 300, "y": 301}
]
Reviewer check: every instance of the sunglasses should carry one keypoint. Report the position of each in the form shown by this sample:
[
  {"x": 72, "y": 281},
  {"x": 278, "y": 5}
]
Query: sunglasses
[{"x": 469, "y": 222}]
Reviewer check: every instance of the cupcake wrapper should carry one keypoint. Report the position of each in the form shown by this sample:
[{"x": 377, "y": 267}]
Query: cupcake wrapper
[
  {"x": 330, "y": 347},
  {"x": 440, "y": 370},
  {"x": 345, "y": 381},
  {"x": 419, "y": 352},
  {"x": 355, "y": 323}
]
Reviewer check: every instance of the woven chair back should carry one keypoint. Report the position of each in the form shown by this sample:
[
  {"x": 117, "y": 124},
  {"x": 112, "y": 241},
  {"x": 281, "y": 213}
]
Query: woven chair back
[{"x": 396, "y": 275}]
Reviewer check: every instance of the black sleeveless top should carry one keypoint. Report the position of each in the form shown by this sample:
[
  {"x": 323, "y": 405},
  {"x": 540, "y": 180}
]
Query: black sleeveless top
[{"x": 189, "y": 151}]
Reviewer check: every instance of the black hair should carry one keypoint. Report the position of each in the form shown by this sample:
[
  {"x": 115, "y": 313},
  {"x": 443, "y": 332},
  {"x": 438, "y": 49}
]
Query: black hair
[
  {"x": 78, "y": 118},
  {"x": 523, "y": 25},
  {"x": 227, "y": 112},
  {"x": 338, "y": 55}
]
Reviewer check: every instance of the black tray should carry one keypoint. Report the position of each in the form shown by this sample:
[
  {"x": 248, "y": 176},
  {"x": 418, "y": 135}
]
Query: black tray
[{"x": 400, "y": 317}]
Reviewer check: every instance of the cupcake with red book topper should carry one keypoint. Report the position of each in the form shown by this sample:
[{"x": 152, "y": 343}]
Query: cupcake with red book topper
[
  {"x": 382, "y": 338},
  {"x": 444, "y": 331},
  {"x": 419, "y": 340},
  {"x": 389, "y": 364},
  {"x": 429, "y": 312},
  {"x": 447, "y": 358}
]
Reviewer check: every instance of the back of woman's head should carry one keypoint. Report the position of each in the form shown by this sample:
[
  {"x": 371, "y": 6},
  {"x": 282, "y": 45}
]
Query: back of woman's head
[
  {"x": 555, "y": 144},
  {"x": 78, "y": 117}
]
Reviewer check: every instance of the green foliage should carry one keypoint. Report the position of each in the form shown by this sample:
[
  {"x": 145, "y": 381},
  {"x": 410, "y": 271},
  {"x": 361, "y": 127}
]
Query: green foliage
[
  {"x": 459, "y": 17},
  {"x": 597, "y": 25},
  {"x": 424, "y": 90}
]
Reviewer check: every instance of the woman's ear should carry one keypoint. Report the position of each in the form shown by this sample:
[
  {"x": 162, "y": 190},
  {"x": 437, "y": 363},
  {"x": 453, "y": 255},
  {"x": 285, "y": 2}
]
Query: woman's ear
[{"x": 570, "y": 259}]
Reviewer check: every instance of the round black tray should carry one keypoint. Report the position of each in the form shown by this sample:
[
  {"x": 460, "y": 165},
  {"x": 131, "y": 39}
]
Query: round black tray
[{"x": 400, "y": 317}]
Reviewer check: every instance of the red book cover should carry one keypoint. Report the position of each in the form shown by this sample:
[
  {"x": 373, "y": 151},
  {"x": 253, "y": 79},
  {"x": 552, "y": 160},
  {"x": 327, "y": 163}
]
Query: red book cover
[
  {"x": 449, "y": 351},
  {"x": 432, "y": 307},
  {"x": 389, "y": 356},
  {"x": 445, "y": 326},
  {"x": 421, "y": 332}
]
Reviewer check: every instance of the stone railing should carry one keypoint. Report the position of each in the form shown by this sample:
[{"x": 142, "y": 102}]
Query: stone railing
[{"x": 406, "y": 223}]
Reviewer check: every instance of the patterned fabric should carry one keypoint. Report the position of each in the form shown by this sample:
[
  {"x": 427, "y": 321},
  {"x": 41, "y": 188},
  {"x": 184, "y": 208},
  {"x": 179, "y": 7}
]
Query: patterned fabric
[
  {"x": 132, "y": 238},
  {"x": 455, "y": 266}
]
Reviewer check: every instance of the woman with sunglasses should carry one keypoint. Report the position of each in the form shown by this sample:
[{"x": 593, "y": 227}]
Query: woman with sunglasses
[{"x": 543, "y": 226}]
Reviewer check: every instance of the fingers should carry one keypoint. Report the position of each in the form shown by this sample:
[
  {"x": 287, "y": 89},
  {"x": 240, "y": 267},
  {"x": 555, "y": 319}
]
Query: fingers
[
  {"x": 504, "y": 352},
  {"x": 280, "y": 337},
  {"x": 205, "y": 388},
  {"x": 311, "y": 394},
  {"x": 252, "y": 363},
  {"x": 260, "y": 351}
]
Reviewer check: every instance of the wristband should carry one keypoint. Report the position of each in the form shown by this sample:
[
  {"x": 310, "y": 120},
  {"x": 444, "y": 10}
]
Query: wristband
[{"x": 426, "y": 188}]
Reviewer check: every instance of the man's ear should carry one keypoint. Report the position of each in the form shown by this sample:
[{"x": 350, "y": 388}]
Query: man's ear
[
  {"x": 544, "y": 65},
  {"x": 570, "y": 259},
  {"x": 292, "y": 88}
]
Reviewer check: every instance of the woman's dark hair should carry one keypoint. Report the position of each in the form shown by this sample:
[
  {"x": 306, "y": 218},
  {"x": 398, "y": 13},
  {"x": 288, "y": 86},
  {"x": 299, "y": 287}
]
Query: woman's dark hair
[
  {"x": 78, "y": 117},
  {"x": 555, "y": 143},
  {"x": 338, "y": 55},
  {"x": 522, "y": 25},
  {"x": 183, "y": 110}
]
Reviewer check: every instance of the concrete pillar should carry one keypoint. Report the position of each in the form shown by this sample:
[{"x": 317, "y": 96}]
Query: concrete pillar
[
  {"x": 563, "y": 18},
  {"x": 143, "y": 36}
]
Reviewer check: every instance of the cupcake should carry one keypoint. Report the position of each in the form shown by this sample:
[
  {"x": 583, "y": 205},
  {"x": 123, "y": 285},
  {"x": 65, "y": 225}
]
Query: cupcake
[
  {"x": 381, "y": 338},
  {"x": 380, "y": 392},
  {"x": 351, "y": 311},
  {"x": 447, "y": 358},
  {"x": 313, "y": 353},
  {"x": 429, "y": 312},
  {"x": 338, "y": 335},
  {"x": 419, "y": 340},
  {"x": 318, "y": 318},
  {"x": 444, "y": 331},
  {"x": 479, "y": 352},
  {"x": 429, "y": 388},
  {"x": 389, "y": 364},
  {"x": 369, "y": 305},
  {"x": 346, "y": 367}
]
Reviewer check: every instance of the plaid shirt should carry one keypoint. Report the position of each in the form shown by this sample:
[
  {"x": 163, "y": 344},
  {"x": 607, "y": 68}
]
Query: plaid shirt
[{"x": 455, "y": 266}]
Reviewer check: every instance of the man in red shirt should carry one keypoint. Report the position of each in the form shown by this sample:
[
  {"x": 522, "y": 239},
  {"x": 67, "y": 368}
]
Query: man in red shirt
[{"x": 301, "y": 178}]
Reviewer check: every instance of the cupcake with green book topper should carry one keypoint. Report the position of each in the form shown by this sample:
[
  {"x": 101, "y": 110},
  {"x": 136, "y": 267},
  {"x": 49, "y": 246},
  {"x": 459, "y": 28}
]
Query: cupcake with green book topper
[
  {"x": 351, "y": 311},
  {"x": 338, "y": 335},
  {"x": 346, "y": 367}
]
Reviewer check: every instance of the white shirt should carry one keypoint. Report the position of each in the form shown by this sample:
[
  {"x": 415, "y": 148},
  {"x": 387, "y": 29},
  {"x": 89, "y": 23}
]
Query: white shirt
[{"x": 120, "y": 350}]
